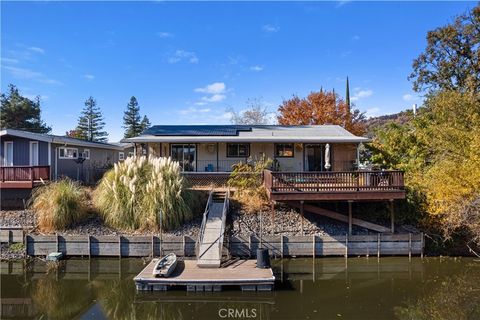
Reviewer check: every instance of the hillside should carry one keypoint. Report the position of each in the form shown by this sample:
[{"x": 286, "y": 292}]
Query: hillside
[{"x": 375, "y": 122}]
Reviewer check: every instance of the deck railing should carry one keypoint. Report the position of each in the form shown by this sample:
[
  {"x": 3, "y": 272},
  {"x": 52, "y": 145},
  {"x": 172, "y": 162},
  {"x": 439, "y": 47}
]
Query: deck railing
[
  {"x": 24, "y": 173},
  {"x": 334, "y": 181}
]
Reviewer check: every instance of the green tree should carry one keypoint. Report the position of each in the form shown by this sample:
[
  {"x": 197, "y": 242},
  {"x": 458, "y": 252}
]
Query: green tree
[
  {"x": 18, "y": 112},
  {"x": 131, "y": 119},
  {"x": 451, "y": 60},
  {"x": 90, "y": 123},
  {"x": 145, "y": 124}
]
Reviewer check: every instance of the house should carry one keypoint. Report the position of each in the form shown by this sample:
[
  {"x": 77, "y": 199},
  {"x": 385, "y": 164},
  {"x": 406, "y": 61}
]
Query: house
[
  {"x": 215, "y": 148},
  {"x": 312, "y": 163},
  {"x": 26, "y": 158}
]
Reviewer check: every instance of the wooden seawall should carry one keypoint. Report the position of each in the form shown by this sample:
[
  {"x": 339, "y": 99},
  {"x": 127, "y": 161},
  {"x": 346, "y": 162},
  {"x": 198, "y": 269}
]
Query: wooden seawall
[{"x": 239, "y": 246}]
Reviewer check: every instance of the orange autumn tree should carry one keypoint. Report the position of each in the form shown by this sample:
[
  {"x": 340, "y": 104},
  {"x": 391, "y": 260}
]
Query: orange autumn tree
[{"x": 321, "y": 107}]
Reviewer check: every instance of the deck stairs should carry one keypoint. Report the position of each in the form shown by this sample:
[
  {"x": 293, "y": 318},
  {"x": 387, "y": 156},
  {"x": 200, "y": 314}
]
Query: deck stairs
[{"x": 210, "y": 241}]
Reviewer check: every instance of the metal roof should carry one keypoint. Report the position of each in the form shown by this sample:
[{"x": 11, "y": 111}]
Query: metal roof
[
  {"x": 245, "y": 133},
  {"x": 62, "y": 140}
]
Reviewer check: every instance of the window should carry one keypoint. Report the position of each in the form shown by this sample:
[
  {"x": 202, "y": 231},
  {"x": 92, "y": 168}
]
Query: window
[
  {"x": 238, "y": 150},
  {"x": 34, "y": 153},
  {"x": 85, "y": 154},
  {"x": 130, "y": 154},
  {"x": 8, "y": 156},
  {"x": 121, "y": 156},
  {"x": 68, "y": 153},
  {"x": 284, "y": 150}
]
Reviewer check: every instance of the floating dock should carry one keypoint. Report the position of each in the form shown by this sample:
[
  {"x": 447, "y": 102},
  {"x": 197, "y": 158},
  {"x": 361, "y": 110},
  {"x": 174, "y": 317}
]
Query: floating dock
[{"x": 241, "y": 274}]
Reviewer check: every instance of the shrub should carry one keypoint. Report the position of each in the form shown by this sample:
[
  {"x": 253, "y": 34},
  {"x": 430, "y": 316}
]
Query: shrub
[
  {"x": 246, "y": 178},
  {"x": 133, "y": 193},
  {"x": 58, "y": 205}
]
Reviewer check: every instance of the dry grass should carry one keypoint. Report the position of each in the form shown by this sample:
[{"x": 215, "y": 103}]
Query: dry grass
[
  {"x": 58, "y": 205},
  {"x": 252, "y": 201},
  {"x": 132, "y": 195}
]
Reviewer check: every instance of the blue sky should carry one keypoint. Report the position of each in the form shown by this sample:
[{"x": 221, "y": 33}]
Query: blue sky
[{"x": 188, "y": 62}]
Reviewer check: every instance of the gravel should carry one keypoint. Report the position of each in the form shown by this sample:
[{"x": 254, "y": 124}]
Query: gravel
[
  {"x": 289, "y": 222},
  {"x": 24, "y": 218}
]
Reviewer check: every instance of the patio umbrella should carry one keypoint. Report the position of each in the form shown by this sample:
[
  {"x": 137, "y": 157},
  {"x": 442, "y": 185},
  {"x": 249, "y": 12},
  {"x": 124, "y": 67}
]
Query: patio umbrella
[{"x": 327, "y": 156}]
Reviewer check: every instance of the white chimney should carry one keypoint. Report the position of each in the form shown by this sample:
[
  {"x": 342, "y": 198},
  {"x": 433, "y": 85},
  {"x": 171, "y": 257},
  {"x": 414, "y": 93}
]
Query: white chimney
[{"x": 414, "y": 109}]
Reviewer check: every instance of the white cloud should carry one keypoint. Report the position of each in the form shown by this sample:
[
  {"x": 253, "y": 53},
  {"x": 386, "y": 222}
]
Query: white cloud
[
  {"x": 182, "y": 55},
  {"x": 36, "y": 49},
  {"x": 89, "y": 76},
  {"x": 256, "y": 68},
  {"x": 356, "y": 37},
  {"x": 345, "y": 54},
  {"x": 8, "y": 60},
  {"x": 193, "y": 110},
  {"x": 270, "y": 28},
  {"x": 214, "y": 98},
  {"x": 27, "y": 74},
  {"x": 360, "y": 94},
  {"x": 408, "y": 97},
  {"x": 165, "y": 34},
  {"x": 213, "y": 88}
]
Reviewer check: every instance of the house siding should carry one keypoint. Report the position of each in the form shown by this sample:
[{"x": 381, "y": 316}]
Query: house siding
[
  {"x": 343, "y": 155},
  {"x": 21, "y": 151}
]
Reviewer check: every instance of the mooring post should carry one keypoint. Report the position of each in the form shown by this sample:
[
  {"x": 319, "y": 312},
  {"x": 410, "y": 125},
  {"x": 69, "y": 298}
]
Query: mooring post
[
  {"x": 346, "y": 245},
  {"x": 281, "y": 243},
  {"x": 120, "y": 247},
  {"x": 350, "y": 217},
  {"x": 313, "y": 247},
  {"x": 410, "y": 246},
  {"x": 392, "y": 216},
  {"x": 89, "y": 247},
  {"x": 301, "y": 213},
  {"x": 378, "y": 246}
]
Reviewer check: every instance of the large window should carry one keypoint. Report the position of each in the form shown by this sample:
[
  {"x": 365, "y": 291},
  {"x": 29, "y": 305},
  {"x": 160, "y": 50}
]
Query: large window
[
  {"x": 121, "y": 156},
  {"x": 85, "y": 154},
  {"x": 34, "y": 153},
  {"x": 185, "y": 155},
  {"x": 238, "y": 150},
  {"x": 67, "y": 153},
  {"x": 284, "y": 150}
]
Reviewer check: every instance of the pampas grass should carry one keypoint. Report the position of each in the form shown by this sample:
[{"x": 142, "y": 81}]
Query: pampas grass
[
  {"x": 58, "y": 205},
  {"x": 132, "y": 194}
]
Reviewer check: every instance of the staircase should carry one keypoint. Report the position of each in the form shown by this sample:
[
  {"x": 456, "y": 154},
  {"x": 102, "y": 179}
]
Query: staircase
[{"x": 210, "y": 241}]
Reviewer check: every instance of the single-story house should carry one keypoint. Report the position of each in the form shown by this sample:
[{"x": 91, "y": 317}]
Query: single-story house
[
  {"x": 50, "y": 157},
  {"x": 215, "y": 148}
]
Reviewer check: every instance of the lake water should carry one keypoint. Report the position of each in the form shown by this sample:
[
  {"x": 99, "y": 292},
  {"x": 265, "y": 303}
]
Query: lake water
[{"x": 328, "y": 288}]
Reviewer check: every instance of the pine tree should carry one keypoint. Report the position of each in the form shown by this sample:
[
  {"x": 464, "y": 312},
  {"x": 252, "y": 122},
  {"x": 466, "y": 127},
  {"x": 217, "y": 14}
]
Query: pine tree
[
  {"x": 347, "y": 95},
  {"x": 131, "y": 119},
  {"x": 145, "y": 124},
  {"x": 90, "y": 122},
  {"x": 18, "y": 112}
]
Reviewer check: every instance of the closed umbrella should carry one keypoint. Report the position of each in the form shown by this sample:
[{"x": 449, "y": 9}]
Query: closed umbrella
[{"x": 327, "y": 156}]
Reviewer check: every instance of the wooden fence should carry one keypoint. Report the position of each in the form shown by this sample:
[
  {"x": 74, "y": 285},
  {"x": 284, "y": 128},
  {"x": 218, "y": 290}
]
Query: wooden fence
[{"x": 240, "y": 246}]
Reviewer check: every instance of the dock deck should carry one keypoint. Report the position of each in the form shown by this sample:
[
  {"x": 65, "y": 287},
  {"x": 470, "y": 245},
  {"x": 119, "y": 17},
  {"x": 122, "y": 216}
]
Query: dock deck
[{"x": 242, "y": 273}]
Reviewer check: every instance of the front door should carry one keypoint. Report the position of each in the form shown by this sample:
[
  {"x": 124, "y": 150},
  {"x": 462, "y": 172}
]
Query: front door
[
  {"x": 314, "y": 157},
  {"x": 185, "y": 155}
]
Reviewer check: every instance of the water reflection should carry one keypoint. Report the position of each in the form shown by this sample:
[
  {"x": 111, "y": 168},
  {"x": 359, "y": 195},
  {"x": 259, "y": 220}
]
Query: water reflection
[{"x": 306, "y": 288}]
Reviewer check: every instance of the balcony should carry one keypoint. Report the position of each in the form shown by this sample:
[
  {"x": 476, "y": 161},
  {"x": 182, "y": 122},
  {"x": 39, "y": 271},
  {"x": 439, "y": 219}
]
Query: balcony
[
  {"x": 23, "y": 177},
  {"x": 334, "y": 185}
]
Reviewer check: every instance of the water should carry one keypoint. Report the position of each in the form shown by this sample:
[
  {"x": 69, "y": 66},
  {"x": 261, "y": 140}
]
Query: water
[{"x": 328, "y": 288}]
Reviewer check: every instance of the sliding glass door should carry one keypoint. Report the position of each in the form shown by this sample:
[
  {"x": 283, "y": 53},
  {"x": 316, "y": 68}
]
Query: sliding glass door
[
  {"x": 314, "y": 157},
  {"x": 185, "y": 155}
]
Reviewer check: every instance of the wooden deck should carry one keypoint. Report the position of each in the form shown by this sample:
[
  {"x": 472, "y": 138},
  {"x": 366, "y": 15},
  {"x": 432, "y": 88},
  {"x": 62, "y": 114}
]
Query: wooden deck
[
  {"x": 242, "y": 273},
  {"x": 334, "y": 185},
  {"x": 23, "y": 177}
]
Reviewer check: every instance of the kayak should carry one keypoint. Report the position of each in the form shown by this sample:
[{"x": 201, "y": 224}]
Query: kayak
[{"x": 165, "y": 266}]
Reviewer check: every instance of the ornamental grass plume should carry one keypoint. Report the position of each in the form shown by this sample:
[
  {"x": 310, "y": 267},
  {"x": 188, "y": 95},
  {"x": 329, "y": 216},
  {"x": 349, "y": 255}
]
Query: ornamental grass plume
[
  {"x": 133, "y": 194},
  {"x": 59, "y": 205}
]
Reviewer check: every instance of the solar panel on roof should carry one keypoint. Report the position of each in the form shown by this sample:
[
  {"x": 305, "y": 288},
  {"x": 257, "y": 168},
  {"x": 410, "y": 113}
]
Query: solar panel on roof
[{"x": 197, "y": 130}]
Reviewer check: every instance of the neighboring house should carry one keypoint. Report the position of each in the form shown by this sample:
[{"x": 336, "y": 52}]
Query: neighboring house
[
  {"x": 215, "y": 148},
  {"x": 26, "y": 158}
]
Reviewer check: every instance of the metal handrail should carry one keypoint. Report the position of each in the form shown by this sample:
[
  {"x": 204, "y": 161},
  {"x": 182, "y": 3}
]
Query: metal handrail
[
  {"x": 226, "y": 205},
  {"x": 204, "y": 221}
]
